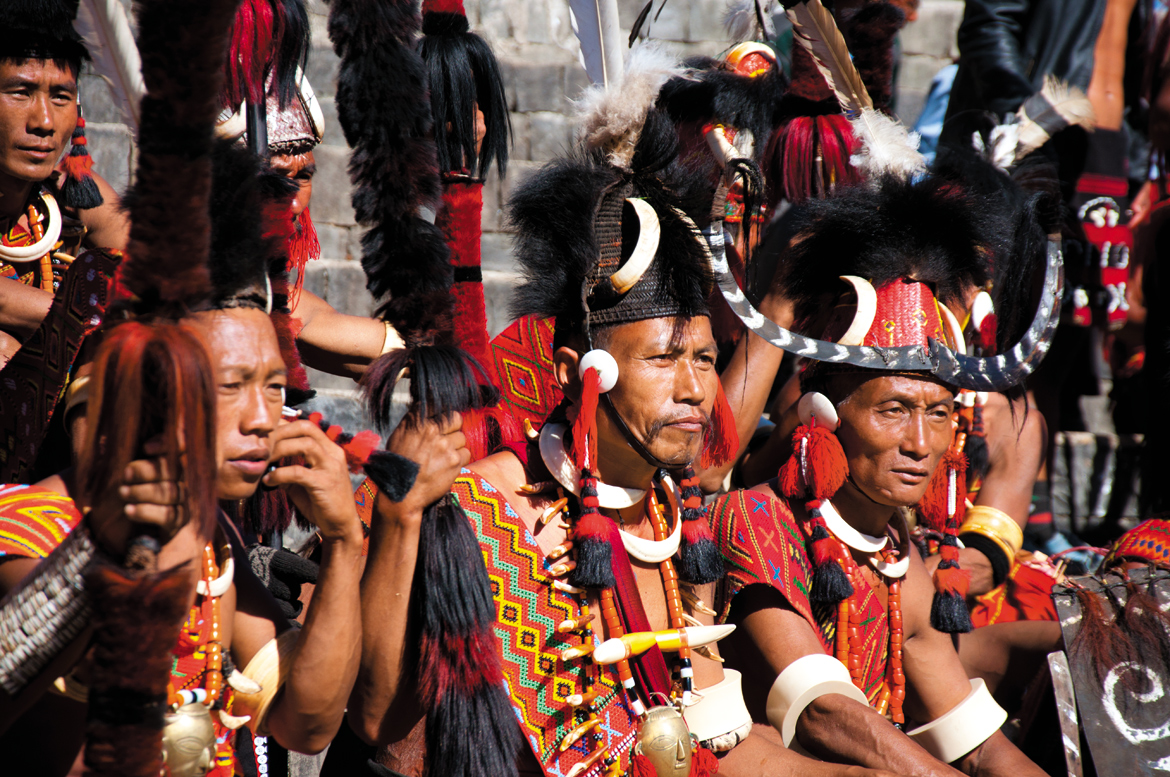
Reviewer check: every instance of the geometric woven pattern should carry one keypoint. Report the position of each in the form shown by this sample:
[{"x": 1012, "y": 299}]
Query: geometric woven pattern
[
  {"x": 34, "y": 520},
  {"x": 761, "y": 544},
  {"x": 522, "y": 355},
  {"x": 1149, "y": 542},
  {"x": 529, "y": 610}
]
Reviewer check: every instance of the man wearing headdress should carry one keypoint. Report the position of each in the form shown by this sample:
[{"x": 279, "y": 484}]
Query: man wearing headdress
[
  {"x": 592, "y": 532},
  {"x": 838, "y": 633},
  {"x": 221, "y": 305},
  {"x": 40, "y": 61}
]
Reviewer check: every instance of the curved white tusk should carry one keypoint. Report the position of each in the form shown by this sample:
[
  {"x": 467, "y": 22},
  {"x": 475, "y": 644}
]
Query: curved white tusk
[
  {"x": 866, "y": 311},
  {"x": 723, "y": 149},
  {"x": 231, "y": 126},
  {"x": 956, "y": 331},
  {"x": 233, "y": 721},
  {"x": 309, "y": 98},
  {"x": 242, "y": 683},
  {"x": 649, "y": 232},
  {"x": 52, "y": 224},
  {"x": 220, "y": 585}
]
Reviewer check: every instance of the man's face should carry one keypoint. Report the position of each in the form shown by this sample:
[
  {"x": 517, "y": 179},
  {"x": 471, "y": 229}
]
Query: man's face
[
  {"x": 665, "y": 390},
  {"x": 894, "y": 430},
  {"x": 38, "y": 111},
  {"x": 249, "y": 376},
  {"x": 299, "y": 168}
]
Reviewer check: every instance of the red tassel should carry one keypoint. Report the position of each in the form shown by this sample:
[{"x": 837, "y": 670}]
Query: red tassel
[
  {"x": 722, "y": 441},
  {"x": 640, "y": 766},
  {"x": 825, "y": 464},
  {"x": 704, "y": 763},
  {"x": 952, "y": 581},
  {"x": 987, "y": 332},
  {"x": 358, "y": 450},
  {"x": 303, "y": 247},
  {"x": 933, "y": 507},
  {"x": 585, "y": 424}
]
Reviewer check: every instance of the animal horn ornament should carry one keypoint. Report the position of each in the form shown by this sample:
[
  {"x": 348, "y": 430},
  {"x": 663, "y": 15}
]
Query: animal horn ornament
[{"x": 994, "y": 373}]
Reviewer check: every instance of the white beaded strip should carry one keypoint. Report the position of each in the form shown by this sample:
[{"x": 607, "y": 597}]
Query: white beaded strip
[
  {"x": 260, "y": 745},
  {"x": 42, "y": 616}
]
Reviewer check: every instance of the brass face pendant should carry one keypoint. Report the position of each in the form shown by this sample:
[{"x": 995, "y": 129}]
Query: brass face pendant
[
  {"x": 665, "y": 741},
  {"x": 189, "y": 741}
]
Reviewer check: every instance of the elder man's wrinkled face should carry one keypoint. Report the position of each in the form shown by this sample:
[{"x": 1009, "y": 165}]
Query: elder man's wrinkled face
[
  {"x": 894, "y": 430},
  {"x": 667, "y": 386}
]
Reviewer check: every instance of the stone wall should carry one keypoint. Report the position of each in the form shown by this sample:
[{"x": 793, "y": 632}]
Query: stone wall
[{"x": 538, "y": 55}]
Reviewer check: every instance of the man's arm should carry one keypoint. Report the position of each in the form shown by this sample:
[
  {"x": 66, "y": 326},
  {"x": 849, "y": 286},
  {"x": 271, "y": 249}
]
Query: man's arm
[
  {"x": 747, "y": 381},
  {"x": 833, "y": 726},
  {"x": 22, "y": 307},
  {"x": 307, "y": 712},
  {"x": 383, "y": 707},
  {"x": 1016, "y": 447},
  {"x": 335, "y": 342},
  {"x": 989, "y": 46},
  {"x": 936, "y": 682}
]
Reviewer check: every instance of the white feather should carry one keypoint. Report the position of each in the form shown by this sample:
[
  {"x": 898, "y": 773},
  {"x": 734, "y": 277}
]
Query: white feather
[
  {"x": 886, "y": 146},
  {"x": 612, "y": 119},
  {"x": 741, "y": 22},
  {"x": 103, "y": 26},
  {"x": 1068, "y": 102},
  {"x": 1005, "y": 138},
  {"x": 595, "y": 23}
]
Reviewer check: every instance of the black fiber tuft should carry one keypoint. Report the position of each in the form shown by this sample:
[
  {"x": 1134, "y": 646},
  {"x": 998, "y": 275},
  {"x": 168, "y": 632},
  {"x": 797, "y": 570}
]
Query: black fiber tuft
[
  {"x": 462, "y": 72},
  {"x": 553, "y": 216},
  {"x": 933, "y": 231}
]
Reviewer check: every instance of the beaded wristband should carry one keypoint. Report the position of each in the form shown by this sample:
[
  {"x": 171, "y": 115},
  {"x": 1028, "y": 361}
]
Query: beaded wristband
[{"x": 45, "y": 613}]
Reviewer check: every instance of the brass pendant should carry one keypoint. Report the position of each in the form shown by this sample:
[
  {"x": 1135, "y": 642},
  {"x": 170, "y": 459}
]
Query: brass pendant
[
  {"x": 665, "y": 741},
  {"x": 189, "y": 741}
]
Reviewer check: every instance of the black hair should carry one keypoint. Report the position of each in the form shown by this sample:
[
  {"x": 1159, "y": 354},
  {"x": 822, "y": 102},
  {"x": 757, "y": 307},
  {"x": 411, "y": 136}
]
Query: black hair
[{"x": 462, "y": 72}]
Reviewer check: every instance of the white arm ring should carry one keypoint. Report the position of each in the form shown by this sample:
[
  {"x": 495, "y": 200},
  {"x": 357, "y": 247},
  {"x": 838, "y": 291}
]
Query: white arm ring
[
  {"x": 964, "y": 728},
  {"x": 719, "y": 711},
  {"x": 802, "y": 682}
]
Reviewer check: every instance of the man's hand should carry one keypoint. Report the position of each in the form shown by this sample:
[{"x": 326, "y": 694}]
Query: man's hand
[
  {"x": 147, "y": 495},
  {"x": 440, "y": 450},
  {"x": 316, "y": 479}
]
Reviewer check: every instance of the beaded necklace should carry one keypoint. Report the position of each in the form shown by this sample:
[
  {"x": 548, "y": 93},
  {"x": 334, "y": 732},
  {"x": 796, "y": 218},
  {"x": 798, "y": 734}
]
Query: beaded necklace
[
  {"x": 847, "y": 647},
  {"x": 584, "y": 702},
  {"x": 15, "y": 248},
  {"x": 199, "y": 661},
  {"x": 192, "y": 636}
]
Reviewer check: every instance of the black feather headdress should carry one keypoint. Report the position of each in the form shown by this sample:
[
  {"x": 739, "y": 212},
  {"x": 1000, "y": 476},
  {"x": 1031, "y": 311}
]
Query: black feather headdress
[
  {"x": 384, "y": 112},
  {"x": 40, "y": 29},
  {"x": 931, "y": 230},
  {"x": 558, "y": 242}
]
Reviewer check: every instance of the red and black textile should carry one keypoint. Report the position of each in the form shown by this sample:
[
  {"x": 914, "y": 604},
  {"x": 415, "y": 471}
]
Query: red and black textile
[
  {"x": 35, "y": 378},
  {"x": 385, "y": 114},
  {"x": 459, "y": 219}
]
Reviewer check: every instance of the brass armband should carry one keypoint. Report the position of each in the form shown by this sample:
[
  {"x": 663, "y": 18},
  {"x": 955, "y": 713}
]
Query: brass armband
[
  {"x": 995, "y": 525},
  {"x": 393, "y": 340},
  {"x": 268, "y": 668}
]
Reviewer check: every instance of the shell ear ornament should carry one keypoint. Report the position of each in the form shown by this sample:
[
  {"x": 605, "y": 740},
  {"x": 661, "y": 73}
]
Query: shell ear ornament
[
  {"x": 604, "y": 363},
  {"x": 992, "y": 373},
  {"x": 815, "y": 405}
]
